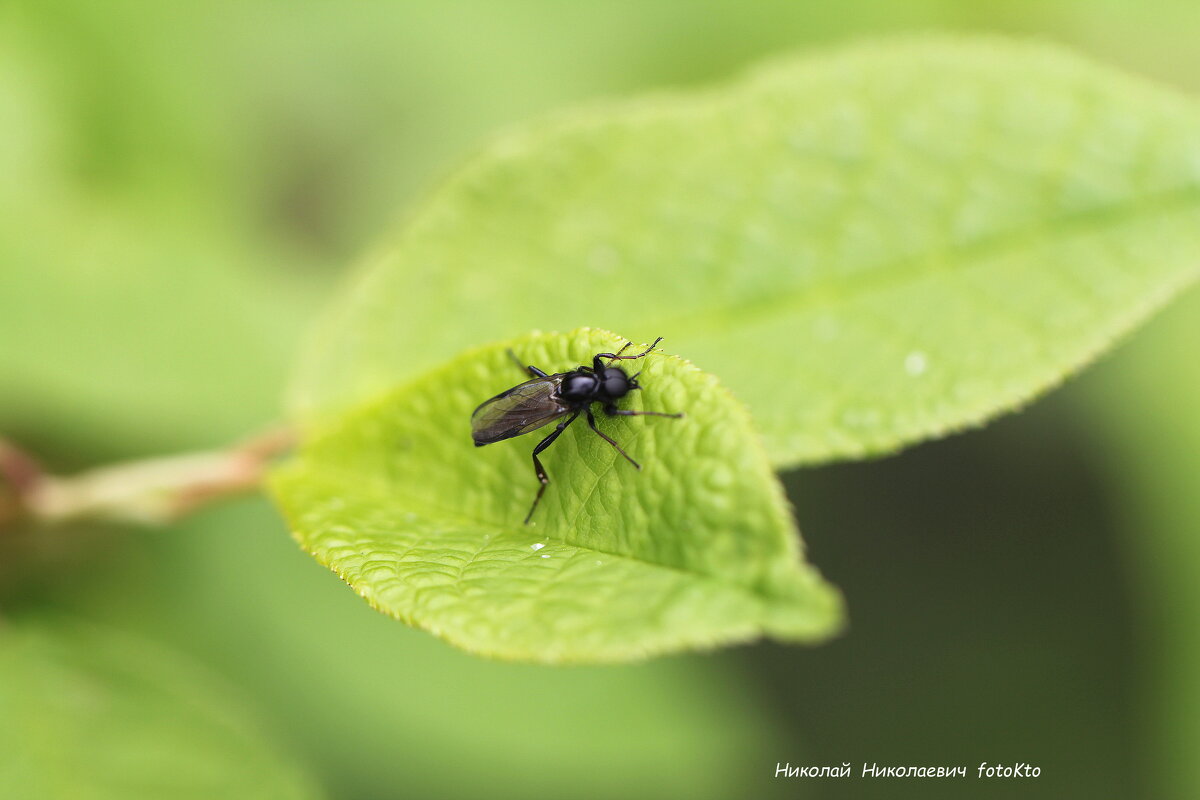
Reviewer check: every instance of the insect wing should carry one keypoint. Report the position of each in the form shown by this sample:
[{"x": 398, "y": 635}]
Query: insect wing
[{"x": 523, "y": 408}]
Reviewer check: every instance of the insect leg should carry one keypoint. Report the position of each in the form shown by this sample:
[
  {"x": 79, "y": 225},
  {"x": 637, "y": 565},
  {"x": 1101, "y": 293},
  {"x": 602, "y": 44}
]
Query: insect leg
[
  {"x": 597, "y": 366},
  {"x": 592, "y": 422},
  {"x": 534, "y": 371},
  {"x": 537, "y": 464},
  {"x": 612, "y": 411},
  {"x": 617, "y": 355}
]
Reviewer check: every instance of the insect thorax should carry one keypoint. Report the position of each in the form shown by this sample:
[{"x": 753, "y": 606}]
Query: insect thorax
[{"x": 579, "y": 386}]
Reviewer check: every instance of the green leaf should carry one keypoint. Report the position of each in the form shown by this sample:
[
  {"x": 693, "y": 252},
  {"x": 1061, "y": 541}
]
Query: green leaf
[
  {"x": 91, "y": 714},
  {"x": 870, "y": 247},
  {"x": 697, "y": 549},
  {"x": 385, "y": 689}
]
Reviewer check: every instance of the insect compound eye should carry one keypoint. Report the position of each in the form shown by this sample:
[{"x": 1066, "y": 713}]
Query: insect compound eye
[{"x": 616, "y": 382}]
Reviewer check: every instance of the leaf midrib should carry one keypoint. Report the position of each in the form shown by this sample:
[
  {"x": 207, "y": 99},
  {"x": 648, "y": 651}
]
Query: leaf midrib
[
  {"x": 962, "y": 256},
  {"x": 388, "y": 498}
]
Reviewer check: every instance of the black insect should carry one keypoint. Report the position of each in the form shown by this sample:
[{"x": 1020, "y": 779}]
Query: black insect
[{"x": 544, "y": 398}]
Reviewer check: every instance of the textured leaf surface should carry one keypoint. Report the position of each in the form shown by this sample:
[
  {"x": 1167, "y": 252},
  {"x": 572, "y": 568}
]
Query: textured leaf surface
[
  {"x": 696, "y": 549},
  {"x": 89, "y": 714},
  {"x": 870, "y": 246}
]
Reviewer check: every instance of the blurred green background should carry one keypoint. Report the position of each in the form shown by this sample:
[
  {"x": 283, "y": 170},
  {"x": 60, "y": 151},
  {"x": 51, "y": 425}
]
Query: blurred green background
[{"x": 183, "y": 185}]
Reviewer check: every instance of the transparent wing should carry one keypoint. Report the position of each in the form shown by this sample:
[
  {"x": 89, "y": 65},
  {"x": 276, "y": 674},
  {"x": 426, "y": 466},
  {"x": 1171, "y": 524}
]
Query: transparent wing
[{"x": 523, "y": 408}]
